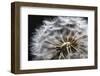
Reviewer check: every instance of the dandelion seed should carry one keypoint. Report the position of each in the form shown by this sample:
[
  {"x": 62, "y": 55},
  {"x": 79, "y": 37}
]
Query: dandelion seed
[{"x": 65, "y": 41}]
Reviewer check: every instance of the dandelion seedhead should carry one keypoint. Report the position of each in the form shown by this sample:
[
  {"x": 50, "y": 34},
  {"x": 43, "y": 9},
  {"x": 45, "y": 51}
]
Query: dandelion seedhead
[{"x": 61, "y": 38}]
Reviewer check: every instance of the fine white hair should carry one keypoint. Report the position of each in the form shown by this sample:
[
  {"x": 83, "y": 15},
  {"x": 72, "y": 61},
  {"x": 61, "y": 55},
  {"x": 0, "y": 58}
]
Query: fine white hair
[{"x": 48, "y": 36}]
